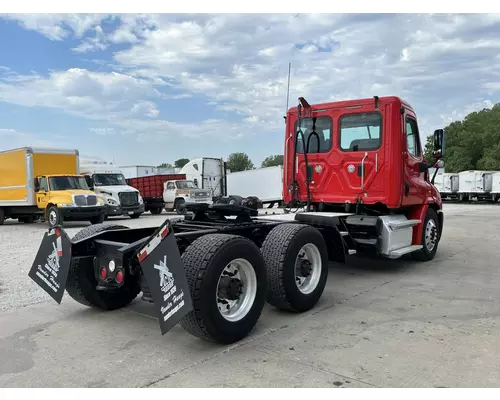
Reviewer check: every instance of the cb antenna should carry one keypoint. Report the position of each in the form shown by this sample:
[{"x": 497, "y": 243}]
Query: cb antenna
[{"x": 288, "y": 89}]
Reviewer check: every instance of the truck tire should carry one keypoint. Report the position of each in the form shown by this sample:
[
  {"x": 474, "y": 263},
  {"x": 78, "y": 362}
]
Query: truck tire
[
  {"x": 81, "y": 283},
  {"x": 97, "y": 220},
  {"x": 206, "y": 261},
  {"x": 54, "y": 216},
  {"x": 430, "y": 237},
  {"x": 155, "y": 210},
  {"x": 297, "y": 266},
  {"x": 235, "y": 200},
  {"x": 179, "y": 206},
  {"x": 2, "y": 216}
]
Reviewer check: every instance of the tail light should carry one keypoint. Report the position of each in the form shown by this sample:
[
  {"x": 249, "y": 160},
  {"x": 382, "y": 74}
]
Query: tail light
[
  {"x": 103, "y": 273},
  {"x": 119, "y": 276}
]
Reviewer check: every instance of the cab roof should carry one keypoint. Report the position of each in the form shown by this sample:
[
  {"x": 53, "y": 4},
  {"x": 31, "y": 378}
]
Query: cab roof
[{"x": 354, "y": 103}]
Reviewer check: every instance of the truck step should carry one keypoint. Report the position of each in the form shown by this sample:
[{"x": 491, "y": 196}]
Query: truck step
[
  {"x": 361, "y": 220},
  {"x": 368, "y": 242},
  {"x": 404, "y": 250},
  {"x": 396, "y": 225},
  {"x": 352, "y": 252}
]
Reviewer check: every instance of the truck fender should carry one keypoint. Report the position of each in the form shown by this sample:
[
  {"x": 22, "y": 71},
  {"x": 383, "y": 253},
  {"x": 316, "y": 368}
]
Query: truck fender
[
  {"x": 418, "y": 212},
  {"x": 50, "y": 268}
]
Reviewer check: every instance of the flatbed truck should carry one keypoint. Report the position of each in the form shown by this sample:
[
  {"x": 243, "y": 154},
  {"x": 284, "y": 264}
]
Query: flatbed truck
[{"x": 356, "y": 166}]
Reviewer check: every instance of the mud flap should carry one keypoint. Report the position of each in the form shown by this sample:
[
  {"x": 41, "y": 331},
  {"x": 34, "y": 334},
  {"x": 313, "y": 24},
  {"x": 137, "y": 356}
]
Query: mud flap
[
  {"x": 163, "y": 270},
  {"x": 51, "y": 266}
]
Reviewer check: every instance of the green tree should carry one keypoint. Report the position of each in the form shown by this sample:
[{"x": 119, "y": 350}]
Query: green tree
[
  {"x": 181, "y": 162},
  {"x": 474, "y": 143},
  {"x": 428, "y": 148},
  {"x": 272, "y": 161},
  {"x": 165, "y": 165},
  {"x": 239, "y": 162}
]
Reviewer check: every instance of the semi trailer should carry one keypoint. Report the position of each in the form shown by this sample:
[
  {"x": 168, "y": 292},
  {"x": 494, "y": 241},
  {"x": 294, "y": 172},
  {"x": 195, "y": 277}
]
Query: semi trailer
[
  {"x": 357, "y": 169},
  {"x": 44, "y": 184},
  {"x": 475, "y": 184}
]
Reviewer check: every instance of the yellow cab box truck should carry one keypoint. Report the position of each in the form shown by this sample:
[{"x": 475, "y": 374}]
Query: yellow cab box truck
[{"x": 43, "y": 183}]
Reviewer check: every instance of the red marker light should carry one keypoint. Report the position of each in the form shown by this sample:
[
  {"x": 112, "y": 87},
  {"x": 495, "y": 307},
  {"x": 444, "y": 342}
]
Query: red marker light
[
  {"x": 119, "y": 277},
  {"x": 103, "y": 273}
]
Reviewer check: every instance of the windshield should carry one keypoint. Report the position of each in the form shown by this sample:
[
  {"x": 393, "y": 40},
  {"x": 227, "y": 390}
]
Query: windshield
[
  {"x": 360, "y": 131},
  {"x": 323, "y": 127},
  {"x": 185, "y": 185},
  {"x": 109, "y": 180},
  {"x": 68, "y": 183}
]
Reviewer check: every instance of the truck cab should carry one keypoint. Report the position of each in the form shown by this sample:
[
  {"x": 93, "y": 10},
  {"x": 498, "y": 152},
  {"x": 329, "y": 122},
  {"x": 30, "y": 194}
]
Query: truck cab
[
  {"x": 67, "y": 198},
  {"x": 177, "y": 193},
  {"x": 110, "y": 184},
  {"x": 365, "y": 157}
]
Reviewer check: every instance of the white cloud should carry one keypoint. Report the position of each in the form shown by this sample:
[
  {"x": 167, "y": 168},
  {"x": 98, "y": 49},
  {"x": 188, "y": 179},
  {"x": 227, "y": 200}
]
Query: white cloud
[
  {"x": 94, "y": 95},
  {"x": 57, "y": 26},
  {"x": 440, "y": 63}
]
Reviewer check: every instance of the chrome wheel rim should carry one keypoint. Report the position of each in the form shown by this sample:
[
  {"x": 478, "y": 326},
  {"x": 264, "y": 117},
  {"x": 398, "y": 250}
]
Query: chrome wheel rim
[
  {"x": 236, "y": 290},
  {"x": 430, "y": 235},
  {"x": 308, "y": 267},
  {"x": 52, "y": 217}
]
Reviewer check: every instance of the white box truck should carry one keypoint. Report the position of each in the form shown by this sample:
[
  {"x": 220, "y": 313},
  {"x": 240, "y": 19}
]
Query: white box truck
[
  {"x": 264, "y": 183},
  {"x": 447, "y": 183},
  {"x": 475, "y": 184},
  {"x": 137, "y": 171}
]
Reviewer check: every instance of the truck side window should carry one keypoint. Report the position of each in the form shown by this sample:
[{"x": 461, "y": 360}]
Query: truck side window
[
  {"x": 412, "y": 137},
  {"x": 323, "y": 128},
  {"x": 360, "y": 131},
  {"x": 170, "y": 186},
  {"x": 43, "y": 184}
]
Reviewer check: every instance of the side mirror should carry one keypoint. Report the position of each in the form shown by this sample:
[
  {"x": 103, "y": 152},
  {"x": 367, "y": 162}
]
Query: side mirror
[
  {"x": 440, "y": 164},
  {"x": 37, "y": 185},
  {"x": 438, "y": 143}
]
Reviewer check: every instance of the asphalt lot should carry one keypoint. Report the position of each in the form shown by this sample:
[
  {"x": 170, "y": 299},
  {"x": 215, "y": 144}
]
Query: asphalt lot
[{"x": 380, "y": 323}]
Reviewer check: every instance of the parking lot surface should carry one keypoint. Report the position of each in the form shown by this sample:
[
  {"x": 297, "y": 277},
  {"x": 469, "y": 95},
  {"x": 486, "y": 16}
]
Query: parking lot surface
[{"x": 380, "y": 323}]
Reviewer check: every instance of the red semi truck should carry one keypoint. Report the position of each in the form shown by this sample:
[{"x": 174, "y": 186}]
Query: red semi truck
[{"x": 356, "y": 167}]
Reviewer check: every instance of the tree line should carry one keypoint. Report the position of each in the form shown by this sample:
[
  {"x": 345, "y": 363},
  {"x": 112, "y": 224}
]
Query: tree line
[
  {"x": 473, "y": 143},
  {"x": 235, "y": 162}
]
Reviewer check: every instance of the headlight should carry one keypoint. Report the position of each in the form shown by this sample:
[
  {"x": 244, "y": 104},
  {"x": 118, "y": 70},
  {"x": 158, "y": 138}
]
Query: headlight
[
  {"x": 66, "y": 205},
  {"x": 140, "y": 199},
  {"x": 112, "y": 202},
  {"x": 100, "y": 201}
]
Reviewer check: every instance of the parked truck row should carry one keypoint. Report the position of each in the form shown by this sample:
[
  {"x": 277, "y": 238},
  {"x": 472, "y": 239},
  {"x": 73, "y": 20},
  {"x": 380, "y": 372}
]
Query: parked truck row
[
  {"x": 469, "y": 185},
  {"x": 57, "y": 185}
]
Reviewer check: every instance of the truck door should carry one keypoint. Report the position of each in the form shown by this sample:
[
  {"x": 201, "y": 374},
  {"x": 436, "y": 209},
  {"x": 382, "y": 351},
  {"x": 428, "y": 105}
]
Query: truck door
[
  {"x": 42, "y": 196},
  {"x": 415, "y": 186},
  {"x": 169, "y": 193}
]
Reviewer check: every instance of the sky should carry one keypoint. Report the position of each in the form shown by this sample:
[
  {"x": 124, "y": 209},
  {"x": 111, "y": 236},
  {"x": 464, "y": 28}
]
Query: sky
[{"x": 147, "y": 89}]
